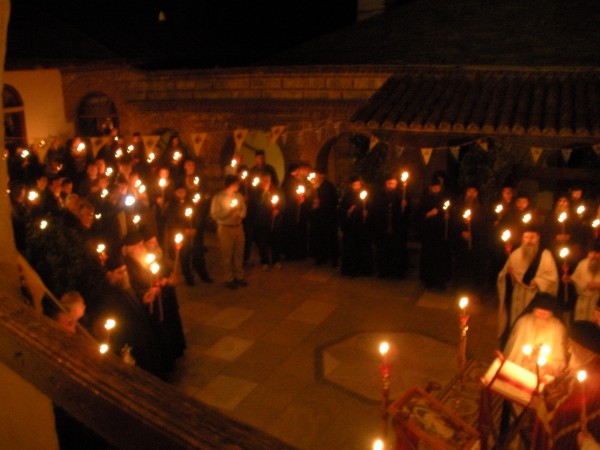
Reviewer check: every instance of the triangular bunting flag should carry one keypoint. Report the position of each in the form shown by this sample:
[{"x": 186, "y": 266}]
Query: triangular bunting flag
[
  {"x": 596, "y": 149},
  {"x": 276, "y": 132},
  {"x": 483, "y": 144},
  {"x": 150, "y": 142},
  {"x": 455, "y": 150},
  {"x": 536, "y": 152},
  {"x": 238, "y": 136},
  {"x": 197, "y": 142},
  {"x": 426, "y": 153},
  {"x": 566, "y": 154},
  {"x": 98, "y": 142},
  {"x": 373, "y": 142}
]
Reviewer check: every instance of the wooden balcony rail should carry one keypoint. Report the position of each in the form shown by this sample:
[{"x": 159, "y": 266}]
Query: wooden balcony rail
[{"x": 128, "y": 407}]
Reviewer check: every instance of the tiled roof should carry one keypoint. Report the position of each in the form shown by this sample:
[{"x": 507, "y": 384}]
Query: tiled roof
[{"x": 560, "y": 103}]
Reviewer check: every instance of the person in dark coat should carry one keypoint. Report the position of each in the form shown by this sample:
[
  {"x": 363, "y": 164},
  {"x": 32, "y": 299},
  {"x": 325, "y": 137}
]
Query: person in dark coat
[
  {"x": 323, "y": 224},
  {"x": 357, "y": 254},
  {"x": 391, "y": 214},
  {"x": 270, "y": 203},
  {"x": 432, "y": 222}
]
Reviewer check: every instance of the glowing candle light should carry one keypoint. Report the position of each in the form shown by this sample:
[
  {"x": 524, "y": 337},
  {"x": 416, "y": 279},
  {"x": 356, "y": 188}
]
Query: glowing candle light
[
  {"x": 196, "y": 181},
  {"x": 150, "y": 258},
  {"x": 526, "y": 218},
  {"x": 545, "y": 350},
  {"x": 506, "y": 235},
  {"x": 100, "y": 248},
  {"x": 580, "y": 209},
  {"x": 178, "y": 239},
  {"x": 43, "y": 224},
  {"x": 188, "y": 212},
  {"x": 275, "y": 199},
  {"x": 109, "y": 171},
  {"x": 499, "y": 208},
  {"x": 562, "y": 217},
  {"x": 300, "y": 190},
  {"x": 162, "y": 182},
  {"x": 116, "y": 138},
  {"x": 32, "y": 196},
  {"x": 118, "y": 153},
  {"x": 98, "y": 216},
  {"x": 564, "y": 252},
  {"x": 506, "y": 239},
  {"x": 137, "y": 183},
  {"x": 467, "y": 215},
  {"x": 136, "y": 219},
  {"x": 581, "y": 377},
  {"x": 81, "y": 147},
  {"x": 255, "y": 181},
  {"x": 177, "y": 155},
  {"x": 234, "y": 163},
  {"x": 363, "y": 195},
  {"x": 197, "y": 197},
  {"x": 130, "y": 148},
  {"x": 595, "y": 225},
  {"x": 129, "y": 200},
  {"x": 378, "y": 445},
  {"x": 234, "y": 203},
  {"x": 445, "y": 207},
  {"x": 104, "y": 193},
  {"x": 311, "y": 176},
  {"x": 110, "y": 324},
  {"x": 404, "y": 177},
  {"x": 24, "y": 153},
  {"x": 142, "y": 189},
  {"x": 527, "y": 350},
  {"x": 154, "y": 268},
  {"x": 104, "y": 348},
  {"x": 384, "y": 348},
  {"x": 150, "y": 158},
  {"x": 244, "y": 174}
]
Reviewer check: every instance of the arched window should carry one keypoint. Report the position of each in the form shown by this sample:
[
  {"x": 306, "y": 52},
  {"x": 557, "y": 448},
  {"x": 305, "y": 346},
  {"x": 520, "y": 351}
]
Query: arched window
[
  {"x": 96, "y": 115},
  {"x": 14, "y": 117}
]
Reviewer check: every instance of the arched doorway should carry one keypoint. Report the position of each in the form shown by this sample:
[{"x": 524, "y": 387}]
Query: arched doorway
[
  {"x": 96, "y": 115},
  {"x": 14, "y": 117}
]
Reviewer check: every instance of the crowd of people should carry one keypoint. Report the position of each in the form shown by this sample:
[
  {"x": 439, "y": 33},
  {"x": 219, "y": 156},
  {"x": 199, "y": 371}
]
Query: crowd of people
[{"x": 140, "y": 217}]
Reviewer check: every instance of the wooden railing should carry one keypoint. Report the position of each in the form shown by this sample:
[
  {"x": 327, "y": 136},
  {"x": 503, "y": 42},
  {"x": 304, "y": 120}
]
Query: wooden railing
[{"x": 130, "y": 408}]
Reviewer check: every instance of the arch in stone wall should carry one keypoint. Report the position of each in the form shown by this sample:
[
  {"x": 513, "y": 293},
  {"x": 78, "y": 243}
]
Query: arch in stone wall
[{"x": 96, "y": 115}]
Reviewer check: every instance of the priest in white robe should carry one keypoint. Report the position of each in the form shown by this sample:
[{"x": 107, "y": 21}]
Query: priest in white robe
[{"x": 586, "y": 279}]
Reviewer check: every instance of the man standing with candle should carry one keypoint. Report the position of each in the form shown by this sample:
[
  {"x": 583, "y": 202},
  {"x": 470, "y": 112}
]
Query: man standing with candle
[
  {"x": 532, "y": 269},
  {"x": 586, "y": 279},
  {"x": 228, "y": 209}
]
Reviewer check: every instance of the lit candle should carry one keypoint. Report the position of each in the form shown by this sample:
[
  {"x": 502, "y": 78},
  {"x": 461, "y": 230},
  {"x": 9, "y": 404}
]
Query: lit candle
[
  {"x": 467, "y": 217},
  {"x": 177, "y": 155},
  {"x": 300, "y": 190},
  {"x": 109, "y": 171},
  {"x": 136, "y": 219},
  {"x": 595, "y": 225},
  {"x": 103, "y": 348},
  {"x": 506, "y": 239},
  {"x": 118, "y": 153},
  {"x": 378, "y": 445},
  {"x": 43, "y": 224},
  {"x": 445, "y": 207},
  {"x": 404, "y": 177},
  {"x": 100, "y": 248},
  {"x": 244, "y": 174},
  {"x": 178, "y": 239},
  {"x": 142, "y": 189},
  {"x": 32, "y": 196},
  {"x": 162, "y": 182},
  {"x": 150, "y": 258},
  {"x": 233, "y": 203},
  {"x": 196, "y": 181},
  {"x": 154, "y": 268},
  {"x": 498, "y": 209},
  {"x": 24, "y": 153},
  {"x": 129, "y": 200},
  {"x": 526, "y": 218},
  {"x": 564, "y": 252},
  {"x": 404, "y": 180},
  {"x": 581, "y": 377},
  {"x": 234, "y": 163},
  {"x": 137, "y": 183},
  {"x": 275, "y": 199},
  {"x": 384, "y": 348},
  {"x": 527, "y": 350},
  {"x": 81, "y": 147},
  {"x": 255, "y": 181},
  {"x": 104, "y": 193},
  {"x": 151, "y": 157},
  {"x": 130, "y": 148},
  {"x": 562, "y": 217},
  {"x": 311, "y": 176},
  {"x": 110, "y": 324},
  {"x": 580, "y": 210},
  {"x": 197, "y": 197},
  {"x": 463, "y": 320}
]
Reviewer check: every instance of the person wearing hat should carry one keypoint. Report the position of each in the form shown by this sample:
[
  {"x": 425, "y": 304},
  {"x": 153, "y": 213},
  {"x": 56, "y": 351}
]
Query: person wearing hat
[
  {"x": 586, "y": 279},
  {"x": 531, "y": 268},
  {"x": 560, "y": 415},
  {"x": 431, "y": 221},
  {"x": 323, "y": 243},
  {"x": 539, "y": 325},
  {"x": 228, "y": 209},
  {"x": 261, "y": 167},
  {"x": 391, "y": 212}
]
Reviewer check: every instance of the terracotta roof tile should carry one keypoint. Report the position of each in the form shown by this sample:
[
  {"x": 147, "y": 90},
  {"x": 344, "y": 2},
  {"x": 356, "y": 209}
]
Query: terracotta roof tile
[{"x": 550, "y": 103}]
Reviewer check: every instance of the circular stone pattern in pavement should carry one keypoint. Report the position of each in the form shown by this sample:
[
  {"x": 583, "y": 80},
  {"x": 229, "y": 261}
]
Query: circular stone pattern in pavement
[{"x": 353, "y": 364}]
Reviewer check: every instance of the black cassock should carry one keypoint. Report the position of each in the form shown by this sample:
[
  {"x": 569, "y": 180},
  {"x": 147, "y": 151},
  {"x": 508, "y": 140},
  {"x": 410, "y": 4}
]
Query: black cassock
[
  {"x": 357, "y": 253},
  {"x": 323, "y": 228}
]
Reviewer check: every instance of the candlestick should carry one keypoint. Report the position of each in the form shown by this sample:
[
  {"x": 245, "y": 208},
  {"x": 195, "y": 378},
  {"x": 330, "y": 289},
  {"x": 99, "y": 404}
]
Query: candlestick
[
  {"x": 467, "y": 217},
  {"x": 581, "y": 377},
  {"x": 404, "y": 180},
  {"x": 274, "y": 202},
  {"x": 445, "y": 207},
  {"x": 564, "y": 252},
  {"x": 463, "y": 320},
  {"x": 384, "y": 368},
  {"x": 363, "y": 196},
  {"x": 109, "y": 325},
  {"x": 178, "y": 244},
  {"x": 300, "y": 190},
  {"x": 507, "y": 245},
  {"x": 595, "y": 226}
]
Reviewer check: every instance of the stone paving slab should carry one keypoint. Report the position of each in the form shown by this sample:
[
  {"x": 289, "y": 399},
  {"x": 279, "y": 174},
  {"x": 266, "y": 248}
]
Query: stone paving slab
[{"x": 225, "y": 392}]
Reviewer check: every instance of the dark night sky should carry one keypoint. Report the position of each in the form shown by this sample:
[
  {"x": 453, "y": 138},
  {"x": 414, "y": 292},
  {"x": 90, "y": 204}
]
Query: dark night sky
[{"x": 197, "y": 33}]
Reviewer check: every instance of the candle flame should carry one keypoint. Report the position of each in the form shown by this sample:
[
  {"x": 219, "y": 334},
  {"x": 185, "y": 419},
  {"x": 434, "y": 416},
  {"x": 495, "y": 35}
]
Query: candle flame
[
  {"x": 580, "y": 209},
  {"x": 100, "y": 248},
  {"x": 129, "y": 200},
  {"x": 110, "y": 324},
  {"x": 311, "y": 176},
  {"x": 137, "y": 183},
  {"x": 150, "y": 258},
  {"x": 363, "y": 195},
  {"x": 104, "y": 193},
  {"x": 151, "y": 157},
  {"x": 188, "y": 212},
  {"x": 43, "y": 224},
  {"x": 81, "y": 147},
  {"x": 98, "y": 216},
  {"x": 103, "y": 348},
  {"x": 542, "y": 360},
  {"x": 118, "y": 153},
  {"x": 384, "y": 348},
  {"x": 32, "y": 196},
  {"x": 527, "y": 349},
  {"x": 109, "y": 171},
  {"x": 378, "y": 444},
  {"x": 463, "y": 302},
  {"x": 526, "y": 218},
  {"x": 244, "y": 174},
  {"x": 564, "y": 252},
  {"x": 300, "y": 190},
  {"x": 404, "y": 177},
  {"x": 446, "y": 205},
  {"x": 162, "y": 182},
  {"x": 506, "y": 235},
  {"x": 562, "y": 217},
  {"x": 255, "y": 181},
  {"x": 196, "y": 198},
  {"x": 467, "y": 214},
  {"x": 196, "y": 181},
  {"x": 24, "y": 153},
  {"x": 154, "y": 268},
  {"x": 498, "y": 208},
  {"x": 275, "y": 199},
  {"x": 596, "y": 223},
  {"x": 545, "y": 350},
  {"x": 177, "y": 155},
  {"x": 130, "y": 148},
  {"x": 234, "y": 203},
  {"x": 178, "y": 238},
  {"x": 581, "y": 376},
  {"x": 142, "y": 189},
  {"x": 233, "y": 162},
  {"x": 136, "y": 219}
]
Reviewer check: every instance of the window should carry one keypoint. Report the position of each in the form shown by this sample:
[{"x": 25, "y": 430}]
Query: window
[
  {"x": 96, "y": 115},
  {"x": 14, "y": 117}
]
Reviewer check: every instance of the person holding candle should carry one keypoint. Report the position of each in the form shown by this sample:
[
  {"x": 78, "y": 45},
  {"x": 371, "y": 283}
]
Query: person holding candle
[
  {"x": 391, "y": 213},
  {"x": 504, "y": 217},
  {"x": 531, "y": 269},
  {"x": 570, "y": 406},
  {"x": 261, "y": 167},
  {"x": 357, "y": 256},
  {"x": 297, "y": 192},
  {"x": 435, "y": 266},
  {"x": 270, "y": 203},
  {"x": 323, "y": 226},
  {"x": 228, "y": 209},
  {"x": 586, "y": 279}
]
